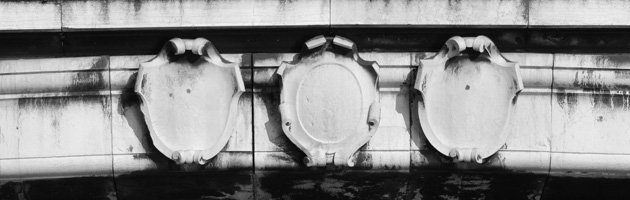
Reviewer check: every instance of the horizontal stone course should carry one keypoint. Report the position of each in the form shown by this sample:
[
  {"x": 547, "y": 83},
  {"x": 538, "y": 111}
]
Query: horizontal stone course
[
  {"x": 559, "y": 129},
  {"x": 57, "y": 15},
  {"x": 259, "y": 142}
]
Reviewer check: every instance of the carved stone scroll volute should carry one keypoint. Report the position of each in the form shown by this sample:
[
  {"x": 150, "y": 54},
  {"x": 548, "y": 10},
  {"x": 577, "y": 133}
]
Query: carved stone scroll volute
[
  {"x": 468, "y": 95},
  {"x": 189, "y": 100},
  {"x": 329, "y": 101}
]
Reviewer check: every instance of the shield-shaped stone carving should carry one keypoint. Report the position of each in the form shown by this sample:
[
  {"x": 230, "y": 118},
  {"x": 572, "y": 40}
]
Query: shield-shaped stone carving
[
  {"x": 468, "y": 94},
  {"x": 329, "y": 101},
  {"x": 189, "y": 100}
]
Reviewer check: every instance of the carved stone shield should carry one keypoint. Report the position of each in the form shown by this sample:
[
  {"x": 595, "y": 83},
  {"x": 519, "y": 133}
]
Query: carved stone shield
[
  {"x": 330, "y": 101},
  {"x": 189, "y": 100},
  {"x": 468, "y": 94}
]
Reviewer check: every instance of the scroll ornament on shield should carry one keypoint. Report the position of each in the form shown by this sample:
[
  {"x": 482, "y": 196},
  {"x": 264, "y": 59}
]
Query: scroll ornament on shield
[
  {"x": 329, "y": 101},
  {"x": 189, "y": 100},
  {"x": 469, "y": 91}
]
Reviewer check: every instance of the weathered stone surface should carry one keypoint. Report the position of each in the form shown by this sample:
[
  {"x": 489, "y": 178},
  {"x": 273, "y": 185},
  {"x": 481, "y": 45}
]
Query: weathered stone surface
[
  {"x": 274, "y": 150},
  {"x": 189, "y": 101},
  {"x": 593, "y": 165},
  {"x": 589, "y": 160},
  {"x": 53, "y": 77},
  {"x": 56, "y": 117},
  {"x": 52, "y": 106},
  {"x": 531, "y": 127},
  {"x": 329, "y": 101},
  {"x": 30, "y": 15},
  {"x": 590, "y": 104},
  {"x": 54, "y": 167},
  {"x": 527, "y": 148},
  {"x": 584, "y": 13},
  {"x": 430, "y": 13},
  {"x": 590, "y": 115},
  {"x": 144, "y": 14},
  {"x": 133, "y": 148},
  {"x": 468, "y": 94}
]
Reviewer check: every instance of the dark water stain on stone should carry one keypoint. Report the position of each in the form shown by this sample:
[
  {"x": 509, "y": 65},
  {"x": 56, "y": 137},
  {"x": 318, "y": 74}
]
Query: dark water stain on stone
[
  {"x": 622, "y": 100},
  {"x": 602, "y": 99},
  {"x": 282, "y": 6},
  {"x": 57, "y": 104},
  {"x": 104, "y": 12},
  {"x": 91, "y": 80},
  {"x": 454, "y": 4},
  {"x": 43, "y": 103},
  {"x": 590, "y": 80},
  {"x": 161, "y": 162},
  {"x": 386, "y": 2},
  {"x": 525, "y": 13},
  {"x": 610, "y": 100},
  {"x": 364, "y": 160},
  {"x": 576, "y": 80},
  {"x": 289, "y": 157},
  {"x": 614, "y": 60},
  {"x": 622, "y": 74},
  {"x": 137, "y": 6},
  {"x": 55, "y": 123},
  {"x": 456, "y": 64},
  {"x": 566, "y": 99}
]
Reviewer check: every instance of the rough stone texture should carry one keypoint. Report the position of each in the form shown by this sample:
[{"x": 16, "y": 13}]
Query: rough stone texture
[
  {"x": 584, "y": 13},
  {"x": 590, "y": 114},
  {"x": 457, "y": 84},
  {"x": 528, "y": 146},
  {"x": 56, "y": 117},
  {"x": 144, "y": 14},
  {"x": 30, "y": 15},
  {"x": 120, "y": 14},
  {"x": 568, "y": 142},
  {"x": 132, "y": 145},
  {"x": 397, "y": 156},
  {"x": 429, "y": 13}
]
